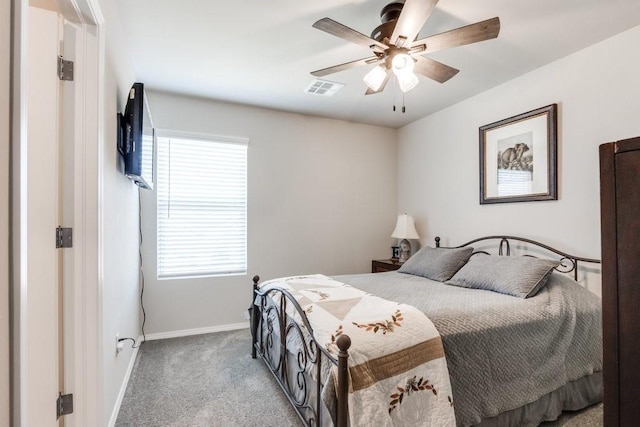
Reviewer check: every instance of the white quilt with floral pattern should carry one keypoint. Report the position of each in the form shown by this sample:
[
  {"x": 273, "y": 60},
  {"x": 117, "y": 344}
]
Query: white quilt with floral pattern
[{"x": 397, "y": 367}]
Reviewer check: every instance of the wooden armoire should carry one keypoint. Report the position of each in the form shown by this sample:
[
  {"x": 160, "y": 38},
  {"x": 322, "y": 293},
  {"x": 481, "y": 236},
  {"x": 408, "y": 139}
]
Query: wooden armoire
[{"x": 620, "y": 218}]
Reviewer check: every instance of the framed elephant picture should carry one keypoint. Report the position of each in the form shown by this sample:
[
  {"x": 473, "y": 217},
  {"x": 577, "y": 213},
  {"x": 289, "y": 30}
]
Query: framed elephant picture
[{"x": 518, "y": 158}]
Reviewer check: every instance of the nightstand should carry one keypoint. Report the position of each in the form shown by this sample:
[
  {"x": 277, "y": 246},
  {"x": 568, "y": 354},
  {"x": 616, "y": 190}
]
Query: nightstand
[{"x": 382, "y": 265}]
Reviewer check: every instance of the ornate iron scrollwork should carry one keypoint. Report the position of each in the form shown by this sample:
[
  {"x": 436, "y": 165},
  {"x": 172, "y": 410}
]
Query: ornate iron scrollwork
[
  {"x": 291, "y": 352},
  {"x": 568, "y": 263},
  {"x": 504, "y": 242}
]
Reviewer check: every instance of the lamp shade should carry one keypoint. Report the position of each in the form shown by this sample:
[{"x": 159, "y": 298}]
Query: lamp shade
[
  {"x": 407, "y": 81},
  {"x": 405, "y": 228},
  {"x": 375, "y": 78}
]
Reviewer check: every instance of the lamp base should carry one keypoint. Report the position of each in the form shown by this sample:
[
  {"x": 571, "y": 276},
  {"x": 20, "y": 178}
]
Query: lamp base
[{"x": 405, "y": 250}]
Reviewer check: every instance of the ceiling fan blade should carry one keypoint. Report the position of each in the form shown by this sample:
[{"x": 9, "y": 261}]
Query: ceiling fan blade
[
  {"x": 480, "y": 31},
  {"x": 413, "y": 16},
  {"x": 433, "y": 69},
  {"x": 345, "y": 66},
  {"x": 384, "y": 84},
  {"x": 337, "y": 29}
]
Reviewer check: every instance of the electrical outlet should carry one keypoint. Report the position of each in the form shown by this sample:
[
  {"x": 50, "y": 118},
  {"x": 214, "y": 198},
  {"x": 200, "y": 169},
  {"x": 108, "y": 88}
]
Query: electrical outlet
[{"x": 118, "y": 345}]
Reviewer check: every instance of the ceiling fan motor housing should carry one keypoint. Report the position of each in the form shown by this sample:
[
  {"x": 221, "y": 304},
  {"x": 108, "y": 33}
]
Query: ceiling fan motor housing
[
  {"x": 391, "y": 12},
  {"x": 388, "y": 16}
]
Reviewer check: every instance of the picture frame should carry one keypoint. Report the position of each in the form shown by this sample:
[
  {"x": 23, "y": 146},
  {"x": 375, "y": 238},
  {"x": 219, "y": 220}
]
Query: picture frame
[{"x": 518, "y": 158}]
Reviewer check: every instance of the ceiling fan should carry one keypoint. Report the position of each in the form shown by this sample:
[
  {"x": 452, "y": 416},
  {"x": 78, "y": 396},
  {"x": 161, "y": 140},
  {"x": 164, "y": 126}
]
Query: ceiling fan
[{"x": 396, "y": 50}]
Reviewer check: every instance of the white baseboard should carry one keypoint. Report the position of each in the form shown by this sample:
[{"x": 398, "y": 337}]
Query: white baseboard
[
  {"x": 123, "y": 386},
  {"x": 197, "y": 331}
]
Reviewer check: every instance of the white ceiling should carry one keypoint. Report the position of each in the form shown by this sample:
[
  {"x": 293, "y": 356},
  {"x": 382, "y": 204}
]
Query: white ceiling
[{"x": 261, "y": 52}]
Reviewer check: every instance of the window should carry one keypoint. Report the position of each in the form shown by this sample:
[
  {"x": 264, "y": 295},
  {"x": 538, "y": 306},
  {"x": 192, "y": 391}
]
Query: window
[{"x": 202, "y": 206}]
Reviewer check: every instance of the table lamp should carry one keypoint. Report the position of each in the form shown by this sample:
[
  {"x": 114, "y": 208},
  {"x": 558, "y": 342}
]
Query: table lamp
[{"x": 405, "y": 229}]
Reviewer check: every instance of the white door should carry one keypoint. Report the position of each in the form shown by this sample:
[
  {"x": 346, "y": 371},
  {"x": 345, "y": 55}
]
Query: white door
[
  {"x": 67, "y": 191},
  {"x": 45, "y": 163},
  {"x": 55, "y": 181}
]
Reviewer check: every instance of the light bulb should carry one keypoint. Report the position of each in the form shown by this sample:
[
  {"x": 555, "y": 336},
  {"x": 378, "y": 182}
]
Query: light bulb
[
  {"x": 375, "y": 78},
  {"x": 402, "y": 63}
]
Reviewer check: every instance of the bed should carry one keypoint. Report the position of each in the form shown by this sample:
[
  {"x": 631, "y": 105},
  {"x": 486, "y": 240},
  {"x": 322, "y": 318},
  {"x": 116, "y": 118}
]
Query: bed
[{"x": 512, "y": 361}]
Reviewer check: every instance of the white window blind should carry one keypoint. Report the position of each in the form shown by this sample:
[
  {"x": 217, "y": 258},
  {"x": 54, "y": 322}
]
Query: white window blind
[{"x": 202, "y": 207}]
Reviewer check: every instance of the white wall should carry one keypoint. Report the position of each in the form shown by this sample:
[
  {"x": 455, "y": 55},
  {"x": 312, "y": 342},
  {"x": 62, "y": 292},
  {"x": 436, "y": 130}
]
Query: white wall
[
  {"x": 120, "y": 286},
  {"x": 321, "y": 199},
  {"x": 5, "y": 52},
  {"x": 598, "y": 96}
]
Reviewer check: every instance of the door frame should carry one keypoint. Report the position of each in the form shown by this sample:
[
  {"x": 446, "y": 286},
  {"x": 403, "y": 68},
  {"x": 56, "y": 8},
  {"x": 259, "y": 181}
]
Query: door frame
[
  {"x": 83, "y": 370},
  {"x": 5, "y": 44}
]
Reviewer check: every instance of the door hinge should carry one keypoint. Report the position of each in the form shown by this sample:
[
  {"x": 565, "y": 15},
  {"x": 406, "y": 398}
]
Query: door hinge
[
  {"x": 65, "y": 69},
  {"x": 64, "y": 405},
  {"x": 64, "y": 237}
]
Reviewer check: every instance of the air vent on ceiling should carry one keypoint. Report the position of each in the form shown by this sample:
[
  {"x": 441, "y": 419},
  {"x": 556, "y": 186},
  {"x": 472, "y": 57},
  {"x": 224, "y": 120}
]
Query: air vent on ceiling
[{"x": 323, "y": 87}]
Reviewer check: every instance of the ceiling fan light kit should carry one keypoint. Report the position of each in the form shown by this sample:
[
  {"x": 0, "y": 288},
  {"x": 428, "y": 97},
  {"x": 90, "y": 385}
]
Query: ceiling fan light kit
[
  {"x": 407, "y": 81},
  {"x": 402, "y": 63},
  {"x": 375, "y": 78},
  {"x": 396, "y": 49},
  {"x": 402, "y": 66}
]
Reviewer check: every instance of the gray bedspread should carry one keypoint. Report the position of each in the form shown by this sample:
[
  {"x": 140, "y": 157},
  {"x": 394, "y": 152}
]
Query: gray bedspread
[{"x": 502, "y": 352}]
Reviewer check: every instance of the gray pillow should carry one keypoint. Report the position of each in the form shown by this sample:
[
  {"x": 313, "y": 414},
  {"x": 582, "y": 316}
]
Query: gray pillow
[
  {"x": 436, "y": 263},
  {"x": 521, "y": 277}
]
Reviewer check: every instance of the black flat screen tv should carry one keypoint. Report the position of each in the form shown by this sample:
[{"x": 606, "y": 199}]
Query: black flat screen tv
[{"x": 137, "y": 138}]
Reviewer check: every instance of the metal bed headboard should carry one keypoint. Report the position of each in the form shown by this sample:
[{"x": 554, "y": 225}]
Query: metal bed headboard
[{"x": 568, "y": 263}]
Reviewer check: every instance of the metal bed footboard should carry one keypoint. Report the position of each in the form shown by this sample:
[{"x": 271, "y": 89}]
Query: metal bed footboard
[{"x": 297, "y": 369}]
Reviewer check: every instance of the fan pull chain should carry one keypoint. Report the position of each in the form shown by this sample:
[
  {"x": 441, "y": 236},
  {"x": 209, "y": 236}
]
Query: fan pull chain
[
  {"x": 404, "y": 109},
  {"x": 394, "y": 93}
]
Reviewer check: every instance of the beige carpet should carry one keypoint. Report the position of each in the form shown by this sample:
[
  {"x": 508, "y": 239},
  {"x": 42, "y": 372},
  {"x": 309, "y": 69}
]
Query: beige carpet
[{"x": 211, "y": 380}]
